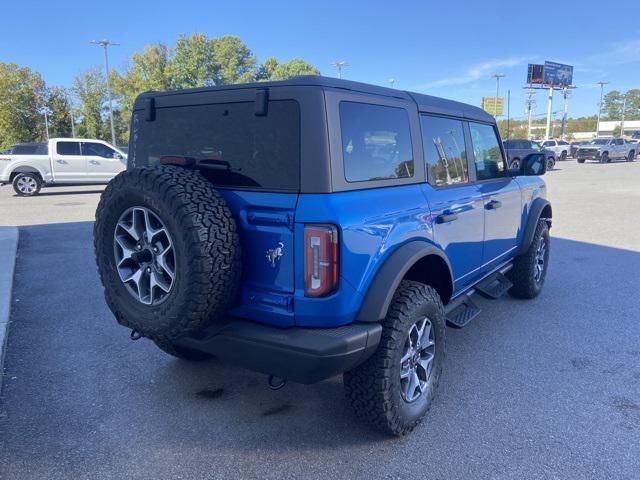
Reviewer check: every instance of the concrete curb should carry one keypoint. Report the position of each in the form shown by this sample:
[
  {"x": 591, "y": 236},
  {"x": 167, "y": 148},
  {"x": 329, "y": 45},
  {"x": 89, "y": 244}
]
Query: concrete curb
[{"x": 8, "y": 251}]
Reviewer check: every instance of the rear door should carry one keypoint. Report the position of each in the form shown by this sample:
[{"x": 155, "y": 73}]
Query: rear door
[
  {"x": 69, "y": 165},
  {"x": 456, "y": 202},
  {"x": 103, "y": 162},
  {"x": 501, "y": 196}
]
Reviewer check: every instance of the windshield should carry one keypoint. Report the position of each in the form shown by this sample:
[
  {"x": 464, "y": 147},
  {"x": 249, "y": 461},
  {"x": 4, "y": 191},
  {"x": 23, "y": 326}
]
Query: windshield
[
  {"x": 536, "y": 146},
  {"x": 600, "y": 141}
]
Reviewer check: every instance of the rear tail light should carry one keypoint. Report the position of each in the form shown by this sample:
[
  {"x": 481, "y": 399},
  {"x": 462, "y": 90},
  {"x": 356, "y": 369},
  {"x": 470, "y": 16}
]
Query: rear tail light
[{"x": 320, "y": 260}]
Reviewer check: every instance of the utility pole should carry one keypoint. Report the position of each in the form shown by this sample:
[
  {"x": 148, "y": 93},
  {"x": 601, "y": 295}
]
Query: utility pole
[
  {"x": 105, "y": 44},
  {"x": 46, "y": 123},
  {"x": 339, "y": 65},
  {"x": 73, "y": 122},
  {"x": 565, "y": 109},
  {"x": 530, "y": 103},
  {"x": 497, "y": 76},
  {"x": 549, "y": 107},
  {"x": 602, "y": 84},
  {"x": 508, "y": 114},
  {"x": 624, "y": 107},
  {"x": 392, "y": 82}
]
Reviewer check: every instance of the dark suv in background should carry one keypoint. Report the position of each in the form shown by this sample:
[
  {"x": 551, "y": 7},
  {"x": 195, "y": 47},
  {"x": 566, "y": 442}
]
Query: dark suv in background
[{"x": 517, "y": 149}]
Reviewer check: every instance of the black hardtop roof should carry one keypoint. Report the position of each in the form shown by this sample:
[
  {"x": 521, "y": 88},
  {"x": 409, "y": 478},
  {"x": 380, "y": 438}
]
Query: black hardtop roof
[{"x": 425, "y": 103}]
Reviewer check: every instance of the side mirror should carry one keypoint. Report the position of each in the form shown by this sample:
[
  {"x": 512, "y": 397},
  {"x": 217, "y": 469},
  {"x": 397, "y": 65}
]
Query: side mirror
[
  {"x": 534, "y": 164},
  {"x": 117, "y": 156}
]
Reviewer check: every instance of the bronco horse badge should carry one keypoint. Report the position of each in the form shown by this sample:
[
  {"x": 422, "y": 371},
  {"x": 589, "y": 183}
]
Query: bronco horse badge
[{"x": 274, "y": 254}]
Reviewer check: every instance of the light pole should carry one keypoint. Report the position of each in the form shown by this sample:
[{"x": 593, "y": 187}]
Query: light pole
[
  {"x": 392, "y": 82},
  {"x": 497, "y": 76},
  {"x": 339, "y": 65},
  {"x": 602, "y": 84},
  {"x": 105, "y": 44},
  {"x": 624, "y": 107}
]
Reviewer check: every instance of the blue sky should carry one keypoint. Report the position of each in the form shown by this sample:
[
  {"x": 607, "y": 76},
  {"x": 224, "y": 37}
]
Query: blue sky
[{"x": 444, "y": 48}]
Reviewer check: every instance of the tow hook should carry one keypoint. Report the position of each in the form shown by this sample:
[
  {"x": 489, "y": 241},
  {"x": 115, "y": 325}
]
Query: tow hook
[
  {"x": 135, "y": 335},
  {"x": 276, "y": 383}
]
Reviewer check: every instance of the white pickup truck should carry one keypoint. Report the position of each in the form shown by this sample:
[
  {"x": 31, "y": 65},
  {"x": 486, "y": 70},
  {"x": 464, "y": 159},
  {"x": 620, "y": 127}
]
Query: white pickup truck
[
  {"x": 66, "y": 161},
  {"x": 561, "y": 148}
]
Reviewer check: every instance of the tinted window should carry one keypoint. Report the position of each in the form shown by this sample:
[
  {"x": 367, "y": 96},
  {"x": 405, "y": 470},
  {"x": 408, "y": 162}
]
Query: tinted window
[
  {"x": 234, "y": 145},
  {"x": 486, "y": 150},
  {"x": 618, "y": 141},
  {"x": 549, "y": 143},
  {"x": 563, "y": 143},
  {"x": 68, "y": 148},
  {"x": 97, "y": 150},
  {"x": 25, "y": 149},
  {"x": 444, "y": 151},
  {"x": 376, "y": 142}
]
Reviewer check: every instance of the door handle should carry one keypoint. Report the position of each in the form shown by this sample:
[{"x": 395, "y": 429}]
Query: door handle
[
  {"x": 60, "y": 161},
  {"x": 446, "y": 217},
  {"x": 94, "y": 162},
  {"x": 493, "y": 204}
]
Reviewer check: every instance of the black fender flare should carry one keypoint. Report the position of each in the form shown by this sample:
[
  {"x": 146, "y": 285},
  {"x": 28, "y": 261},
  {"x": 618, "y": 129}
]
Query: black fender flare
[
  {"x": 535, "y": 213},
  {"x": 390, "y": 274}
]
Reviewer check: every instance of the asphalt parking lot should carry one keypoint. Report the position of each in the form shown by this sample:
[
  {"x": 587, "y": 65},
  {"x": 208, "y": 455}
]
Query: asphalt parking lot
[{"x": 548, "y": 388}]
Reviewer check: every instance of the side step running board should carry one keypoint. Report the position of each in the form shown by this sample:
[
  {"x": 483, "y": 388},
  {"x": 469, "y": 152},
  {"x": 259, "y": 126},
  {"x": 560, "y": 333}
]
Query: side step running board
[
  {"x": 494, "y": 286},
  {"x": 462, "y": 311}
]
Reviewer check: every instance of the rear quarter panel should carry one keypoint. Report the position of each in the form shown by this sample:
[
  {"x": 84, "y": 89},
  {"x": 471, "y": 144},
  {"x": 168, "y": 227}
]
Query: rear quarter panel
[{"x": 40, "y": 163}]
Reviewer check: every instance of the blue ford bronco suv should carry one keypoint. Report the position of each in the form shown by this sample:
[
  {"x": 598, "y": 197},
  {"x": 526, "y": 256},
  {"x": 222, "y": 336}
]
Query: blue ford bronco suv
[{"x": 314, "y": 227}]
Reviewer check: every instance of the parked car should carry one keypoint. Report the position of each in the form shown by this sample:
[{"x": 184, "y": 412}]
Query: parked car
[
  {"x": 517, "y": 149},
  {"x": 560, "y": 148},
  {"x": 315, "y": 226},
  {"x": 574, "y": 147},
  {"x": 60, "y": 161},
  {"x": 604, "y": 150}
]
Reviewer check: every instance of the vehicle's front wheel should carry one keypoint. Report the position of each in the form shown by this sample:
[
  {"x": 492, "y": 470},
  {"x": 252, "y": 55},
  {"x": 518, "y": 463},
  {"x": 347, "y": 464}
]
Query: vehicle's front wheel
[
  {"x": 581, "y": 160},
  {"x": 530, "y": 269},
  {"x": 395, "y": 387},
  {"x": 550, "y": 163},
  {"x": 631, "y": 156},
  {"x": 604, "y": 158},
  {"x": 563, "y": 155},
  {"x": 27, "y": 184}
]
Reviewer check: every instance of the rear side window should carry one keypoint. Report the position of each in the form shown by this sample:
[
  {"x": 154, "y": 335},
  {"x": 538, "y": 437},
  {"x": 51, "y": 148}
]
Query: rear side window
[
  {"x": 444, "y": 151},
  {"x": 486, "y": 150},
  {"x": 237, "y": 147},
  {"x": 376, "y": 142},
  {"x": 68, "y": 148}
]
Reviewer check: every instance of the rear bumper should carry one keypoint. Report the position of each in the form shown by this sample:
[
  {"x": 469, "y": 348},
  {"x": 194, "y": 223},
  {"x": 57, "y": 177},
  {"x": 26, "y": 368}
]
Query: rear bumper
[{"x": 303, "y": 355}]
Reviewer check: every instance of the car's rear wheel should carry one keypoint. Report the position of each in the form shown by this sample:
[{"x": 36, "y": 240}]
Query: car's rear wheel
[
  {"x": 530, "y": 269},
  {"x": 167, "y": 251},
  {"x": 563, "y": 155},
  {"x": 581, "y": 160},
  {"x": 394, "y": 388},
  {"x": 631, "y": 156},
  {"x": 27, "y": 184},
  {"x": 604, "y": 158},
  {"x": 515, "y": 164}
]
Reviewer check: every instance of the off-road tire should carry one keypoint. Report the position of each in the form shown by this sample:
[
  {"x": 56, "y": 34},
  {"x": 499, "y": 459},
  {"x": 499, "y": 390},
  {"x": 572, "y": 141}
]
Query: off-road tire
[
  {"x": 205, "y": 243},
  {"x": 522, "y": 273},
  {"x": 182, "y": 353},
  {"x": 373, "y": 388},
  {"x": 27, "y": 175}
]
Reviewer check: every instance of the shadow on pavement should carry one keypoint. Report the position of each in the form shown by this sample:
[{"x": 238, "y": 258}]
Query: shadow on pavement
[{"x": 559, "y": 367}]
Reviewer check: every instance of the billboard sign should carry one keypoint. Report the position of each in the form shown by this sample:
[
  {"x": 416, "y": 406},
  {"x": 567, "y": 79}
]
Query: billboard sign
[
  {"x": 557, "y": 74},
  {"x": 535, "y": 74},
  {"x": 489, "y": 105}
]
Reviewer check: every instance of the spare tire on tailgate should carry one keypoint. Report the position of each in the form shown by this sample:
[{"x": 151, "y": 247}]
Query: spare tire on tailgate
[{"x": 167, "y": 251}]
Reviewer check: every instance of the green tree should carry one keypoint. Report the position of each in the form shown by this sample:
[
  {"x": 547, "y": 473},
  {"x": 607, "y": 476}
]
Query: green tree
[
  {"x": 192, "y": 63},
  {"x": 59, "y": 112},
  {"x": 632, "y": 108},
  {"x": 265, "y": 71},
  {"x": 293, "y": 68},
  {"x": 612, "y": 105},
  {"x": 91, "y": 90},
  {"x": 22, "y": 98},
  {"x": 233, "y": 59}
]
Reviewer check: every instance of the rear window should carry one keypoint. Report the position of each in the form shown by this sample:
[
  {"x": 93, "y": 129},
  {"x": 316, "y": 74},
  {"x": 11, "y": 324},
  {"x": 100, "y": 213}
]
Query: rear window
[
  {"x": 29, "y": 150},
  {"x": 376, "y": 142},
  {"x": 239, "y": 148}
]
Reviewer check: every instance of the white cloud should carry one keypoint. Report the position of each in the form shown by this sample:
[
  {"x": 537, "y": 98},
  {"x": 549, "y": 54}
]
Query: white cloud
[
  {"x": 476, "y": 72},
  {"x": 620, "y": 53}
]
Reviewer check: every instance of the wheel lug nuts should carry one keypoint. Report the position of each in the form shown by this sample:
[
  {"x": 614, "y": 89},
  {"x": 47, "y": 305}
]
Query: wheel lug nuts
[
  {"x": 155, "y": 249},
  {"x": 138, "y": 247},
  {"x": 148, "y": 269}
]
